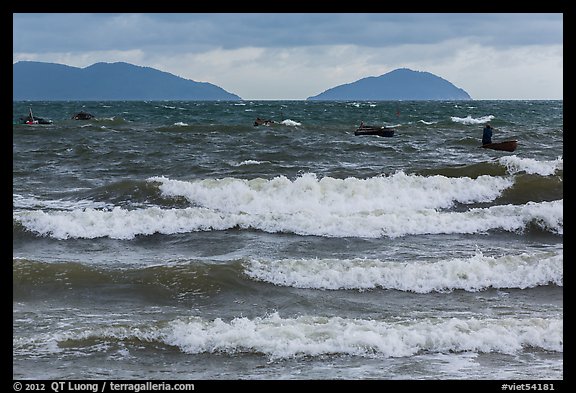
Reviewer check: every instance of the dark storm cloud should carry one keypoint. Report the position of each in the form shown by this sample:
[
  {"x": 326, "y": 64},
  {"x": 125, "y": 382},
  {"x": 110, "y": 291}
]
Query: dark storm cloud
[{"x": 168, "y": 33}]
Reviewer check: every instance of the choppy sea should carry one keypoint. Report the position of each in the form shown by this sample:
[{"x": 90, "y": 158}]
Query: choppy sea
[{"x": 178, "y": 241}]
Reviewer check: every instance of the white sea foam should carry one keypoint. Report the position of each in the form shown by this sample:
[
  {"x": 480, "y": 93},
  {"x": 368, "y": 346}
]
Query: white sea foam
[
  {"x": 289, "y": 122},
  {"x": 120, "y": 223},
  {"x": 515, "y": 164},
  {"x": 471, "y": 274},
  {"x": 391, "y": 206},
  {"x": 343, "y": 196},
  {"x": 28, "y": 202},
  {"x": 279, "y": 338},
  {"x": 472, "y": 120},
  {"x": 250, "y": 162}
]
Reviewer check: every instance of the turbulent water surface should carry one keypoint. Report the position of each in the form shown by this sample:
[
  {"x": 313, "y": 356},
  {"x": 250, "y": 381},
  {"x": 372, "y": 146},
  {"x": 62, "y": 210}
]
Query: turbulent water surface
[{"x": 176, "y": 240}]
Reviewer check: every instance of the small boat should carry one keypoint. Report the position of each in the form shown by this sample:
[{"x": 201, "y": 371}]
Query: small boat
[
  {"x": 262, "y": 122},
  {"x": 35, "y": 120},
  {"x": 82, "y": 116},
  {"x": 504, "y": 145},
  {"x": 31, "y": 119},
  {"x": 374, "y": 130}
]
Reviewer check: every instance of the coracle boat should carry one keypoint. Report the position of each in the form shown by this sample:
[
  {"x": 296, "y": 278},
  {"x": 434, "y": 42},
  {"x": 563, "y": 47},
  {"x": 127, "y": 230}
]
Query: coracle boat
[
  {"x": 510, "y": 145},
  {"x": 262, "y": 122},
  {"x": 82, "y": 116},
  {"x": 374, "y": 130}
]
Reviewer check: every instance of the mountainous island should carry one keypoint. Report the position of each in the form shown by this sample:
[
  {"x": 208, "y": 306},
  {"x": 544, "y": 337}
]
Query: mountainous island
[
  {"x": 37, "y": 81},
  {"x": 400, "y": 84}
]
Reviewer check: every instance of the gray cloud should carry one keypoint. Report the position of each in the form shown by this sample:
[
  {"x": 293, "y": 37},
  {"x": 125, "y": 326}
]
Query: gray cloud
[
  {"x": 198, "y": 32},
  {"x": 293, "y": 56}
]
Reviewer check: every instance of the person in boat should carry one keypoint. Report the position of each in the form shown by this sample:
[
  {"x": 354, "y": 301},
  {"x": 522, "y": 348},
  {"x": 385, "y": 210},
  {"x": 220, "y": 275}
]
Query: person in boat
[
  {"x": 31, "y": 119},
  {"x": 487, "y": 134},
  {"x": 28, "y": 120}
]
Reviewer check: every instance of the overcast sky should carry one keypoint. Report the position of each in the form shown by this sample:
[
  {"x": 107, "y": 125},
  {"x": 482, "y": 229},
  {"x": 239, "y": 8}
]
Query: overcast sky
[{"x": 289, "y": 56}]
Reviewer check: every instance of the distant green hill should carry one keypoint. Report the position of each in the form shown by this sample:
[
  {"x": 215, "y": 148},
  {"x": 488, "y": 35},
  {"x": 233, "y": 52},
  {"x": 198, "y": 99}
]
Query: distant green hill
[
  {"x": 400, "y": 84},
  {"x": 36, "y": 81}
]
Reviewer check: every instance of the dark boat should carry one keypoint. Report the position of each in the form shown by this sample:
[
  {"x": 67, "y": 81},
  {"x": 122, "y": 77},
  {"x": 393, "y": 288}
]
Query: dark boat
[
  {"x": 82, "y": 116},
  {"x": 504, "y": 145},
  {"x": 262, "y": 122},
  {"x": 374, "y": 130}
]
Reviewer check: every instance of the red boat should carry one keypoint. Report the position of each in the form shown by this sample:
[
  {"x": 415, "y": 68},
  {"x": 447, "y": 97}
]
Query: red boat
[{"x": 505, "y": 145}]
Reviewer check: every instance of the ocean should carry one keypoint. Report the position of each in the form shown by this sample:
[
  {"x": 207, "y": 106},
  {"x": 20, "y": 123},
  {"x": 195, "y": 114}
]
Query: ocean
[{"x": 175, "y": 240}]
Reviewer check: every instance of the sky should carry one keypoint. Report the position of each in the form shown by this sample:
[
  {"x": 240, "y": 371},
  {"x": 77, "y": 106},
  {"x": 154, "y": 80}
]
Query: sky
[{"x": 293, "y": 56}]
